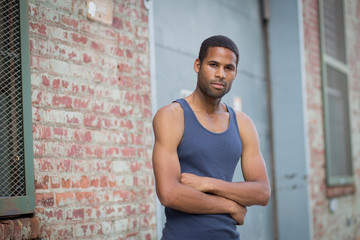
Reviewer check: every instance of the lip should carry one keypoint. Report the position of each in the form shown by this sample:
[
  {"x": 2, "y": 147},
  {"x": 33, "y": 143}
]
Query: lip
[{"x": 218, "y": 85}]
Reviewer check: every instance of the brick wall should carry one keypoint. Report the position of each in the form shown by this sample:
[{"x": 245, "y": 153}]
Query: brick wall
[
  {"x": 92, "y": 132},
  {"x": 345, "y": 222}
]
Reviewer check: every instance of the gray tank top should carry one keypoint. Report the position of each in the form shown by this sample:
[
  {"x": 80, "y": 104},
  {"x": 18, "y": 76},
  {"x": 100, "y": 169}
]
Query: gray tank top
[{"x": 210, "y": 154}]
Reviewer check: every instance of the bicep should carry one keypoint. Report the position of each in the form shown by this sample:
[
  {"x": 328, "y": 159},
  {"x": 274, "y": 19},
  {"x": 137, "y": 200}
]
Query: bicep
[
  {"x": 252, "y": 161},
  {"x": 165, "y": 163},
  {"x": 168, "y": 133}
]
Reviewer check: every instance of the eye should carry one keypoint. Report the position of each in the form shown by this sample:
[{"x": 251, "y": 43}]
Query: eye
[
  {"x": 229, "y": 68},
  {"x": 213, "y": 65}
]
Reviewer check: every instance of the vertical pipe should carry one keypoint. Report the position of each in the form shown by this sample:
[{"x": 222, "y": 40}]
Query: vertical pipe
[{"x": 266, "y": 17}]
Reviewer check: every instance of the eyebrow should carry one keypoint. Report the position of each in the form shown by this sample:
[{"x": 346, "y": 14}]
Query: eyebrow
[{"x": 233, "y": 65}]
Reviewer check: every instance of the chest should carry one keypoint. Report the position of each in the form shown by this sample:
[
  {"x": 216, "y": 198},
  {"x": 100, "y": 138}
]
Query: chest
[{"x": 216, "y": 123}]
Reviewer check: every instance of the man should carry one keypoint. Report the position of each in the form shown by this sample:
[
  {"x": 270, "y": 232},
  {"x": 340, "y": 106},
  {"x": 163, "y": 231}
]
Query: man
[{"x": 198, "y": 142}]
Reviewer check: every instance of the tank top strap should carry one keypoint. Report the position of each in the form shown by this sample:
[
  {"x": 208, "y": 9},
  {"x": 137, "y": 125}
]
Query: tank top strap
[
  {"x": 185, "y": 106},
  {"x": 190, "y": 120},
  {"x": 233, "y": 119}
]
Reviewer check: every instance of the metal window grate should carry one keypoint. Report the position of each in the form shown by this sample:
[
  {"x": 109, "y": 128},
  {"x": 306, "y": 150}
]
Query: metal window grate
[
  {"x": 334, "y": 29},
  {"x": 338, "y": 120},
  {"x": 12, "y": 165}
]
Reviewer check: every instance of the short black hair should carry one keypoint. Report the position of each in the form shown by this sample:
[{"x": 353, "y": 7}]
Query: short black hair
[{"x": 218, "y": 41}]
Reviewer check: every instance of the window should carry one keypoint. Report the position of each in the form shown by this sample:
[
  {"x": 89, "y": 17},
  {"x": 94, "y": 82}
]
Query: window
[
  {"x": 335, "y": 94},
  {"x": 16, "y": 153}
]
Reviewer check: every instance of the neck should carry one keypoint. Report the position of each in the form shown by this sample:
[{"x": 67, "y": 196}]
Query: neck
[{"x": 202, "y": 102}]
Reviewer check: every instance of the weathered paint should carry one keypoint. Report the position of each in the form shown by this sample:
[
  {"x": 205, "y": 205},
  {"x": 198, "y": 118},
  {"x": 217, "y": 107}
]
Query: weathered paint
[{"x": 180, "y": 27}]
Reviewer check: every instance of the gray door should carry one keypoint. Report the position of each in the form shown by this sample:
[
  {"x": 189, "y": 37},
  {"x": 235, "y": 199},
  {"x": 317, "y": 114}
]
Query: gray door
[{"x": 180, "y": 27}]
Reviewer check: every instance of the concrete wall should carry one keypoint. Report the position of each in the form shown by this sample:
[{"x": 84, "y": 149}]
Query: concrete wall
[
  {"x": 289, "y": 120},
  {"x": 92, "y": 131},
  {"x": 180, "y": 27},
  {"x": 344, "y": 223}
]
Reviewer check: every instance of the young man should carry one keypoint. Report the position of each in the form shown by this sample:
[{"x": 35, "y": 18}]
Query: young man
[{"x": 198, "y": 142}]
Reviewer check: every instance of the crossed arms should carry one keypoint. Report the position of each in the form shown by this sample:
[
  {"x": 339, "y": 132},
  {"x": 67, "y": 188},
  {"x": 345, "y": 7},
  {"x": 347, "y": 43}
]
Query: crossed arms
[{"x": 189, "y": 193}]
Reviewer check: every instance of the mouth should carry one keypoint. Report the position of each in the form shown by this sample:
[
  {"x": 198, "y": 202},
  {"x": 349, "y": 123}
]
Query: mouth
[{"x": 218, "y": 85}]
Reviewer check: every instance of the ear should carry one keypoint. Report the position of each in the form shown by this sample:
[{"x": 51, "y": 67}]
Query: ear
[{"x": 197, "y": 65}]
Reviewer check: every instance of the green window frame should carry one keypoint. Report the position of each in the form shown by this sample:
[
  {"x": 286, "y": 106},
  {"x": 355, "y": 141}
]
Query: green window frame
[
  {"x": 336, "y": 109},
  {"x": 17, "y": 193}
]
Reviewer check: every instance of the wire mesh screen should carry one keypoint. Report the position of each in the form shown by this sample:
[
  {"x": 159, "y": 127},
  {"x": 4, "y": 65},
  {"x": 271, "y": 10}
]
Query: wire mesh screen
[
  {"x": 12, "y": 165},
  {"x": 339, "y": 142},
  {"x": 334, "y": 29}
]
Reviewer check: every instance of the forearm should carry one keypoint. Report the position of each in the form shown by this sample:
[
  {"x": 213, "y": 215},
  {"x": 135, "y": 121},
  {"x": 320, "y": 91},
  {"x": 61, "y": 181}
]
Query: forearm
[
  {"x": 190, "y": 200},
  {"x": 246, "y": 193}
]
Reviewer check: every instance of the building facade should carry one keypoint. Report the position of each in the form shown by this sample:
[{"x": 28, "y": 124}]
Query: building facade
[
  {"x": 94, "y": 86},
  {"x": 91, "y": 124},
  {"x": 335, "y": 209}
]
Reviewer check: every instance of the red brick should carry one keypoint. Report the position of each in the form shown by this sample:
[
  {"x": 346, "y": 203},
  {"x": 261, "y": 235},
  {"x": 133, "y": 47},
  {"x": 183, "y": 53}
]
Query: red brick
[
  {"x": 104, "y": 166},
  {"x": 40, "y": 28},
  {"x": 65, "y": 182},
  {"x": 78, "y": 214},
  {"x": 103, "y": 181},
  {"x": 64, "y": 165},
  {"x": 86, "y": 58},
  {"x": 45, "y": 81},
  {"x": 56, "y": 83},
  {"x": 117, "y": 23},
  {"x": 53, "y": 215},
  {"x": 44, "y": 199},
  {"x": 84, "y": 182},
  {"x": 64, "y": 101},
  {"x": 7, "y": 228},
  {"x": 75, "y": 151},
  {"x": 44, "y": 165},
  {"x": 34, "y": 229},
  {"x": 112, "y": 152},
  {"x": 41, "y": 132},
  {"x": 135, "y": 181},
  {"x": 85, "y": 197},
  {"x": 97, "y": 46},
  {"x": 79, "y": 39},
  {"x": 94, "y": 182},
  {"x": 93, "y": 151},
  {"x": 123, "y": 67},
  {"x": 135, "y": 166},
  {"x": 83, "y": 136},
  {"x": 41, "y": 182},
  {"x": 62, "y": 232},
  {"x": 55, "y": 182},
  {"x": 112, "y": 181},
  {"x": 69, "y": 21},
  {"x": 91, "y": 120},
  {"x": 117, "y": 51},
  {"x": 17, "y": 232},
  {"x": 64, "y": 198},
  {"x": 128, "y": 152},
  {"x": 126, "y": 123}
]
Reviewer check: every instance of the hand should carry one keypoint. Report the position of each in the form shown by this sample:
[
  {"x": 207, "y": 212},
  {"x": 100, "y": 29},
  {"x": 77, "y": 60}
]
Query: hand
[
  {"x": 193, "y": 181},
  {"x": 238, "y": 214}
]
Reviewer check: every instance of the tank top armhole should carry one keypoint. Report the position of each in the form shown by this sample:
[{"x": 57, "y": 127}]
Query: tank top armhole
[
  {"x": 233, "y": 114},
  {"x": 181, "y": 103}
]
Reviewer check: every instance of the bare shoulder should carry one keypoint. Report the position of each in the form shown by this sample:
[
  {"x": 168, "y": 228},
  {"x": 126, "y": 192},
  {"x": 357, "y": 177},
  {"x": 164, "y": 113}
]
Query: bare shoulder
[
  {"x": 170, "y": 113},
  {"x": 243, "y": 119},
  {"x": 246, "y": 126},
  {"x": 168, "y": 123}
]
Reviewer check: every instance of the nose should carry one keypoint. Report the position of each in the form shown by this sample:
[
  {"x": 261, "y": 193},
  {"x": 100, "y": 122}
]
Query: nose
[{"x": 220, "y": 73}]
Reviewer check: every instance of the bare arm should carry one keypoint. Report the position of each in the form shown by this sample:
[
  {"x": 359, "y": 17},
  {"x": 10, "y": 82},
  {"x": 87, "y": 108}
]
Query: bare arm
[
  {"x": 256, "y": 188},
  {"x": 168, "y": 127}
]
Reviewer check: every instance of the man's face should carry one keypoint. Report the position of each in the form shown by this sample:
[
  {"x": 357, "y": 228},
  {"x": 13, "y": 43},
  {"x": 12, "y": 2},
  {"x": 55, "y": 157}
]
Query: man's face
[{"x": 216, "y": 72}]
